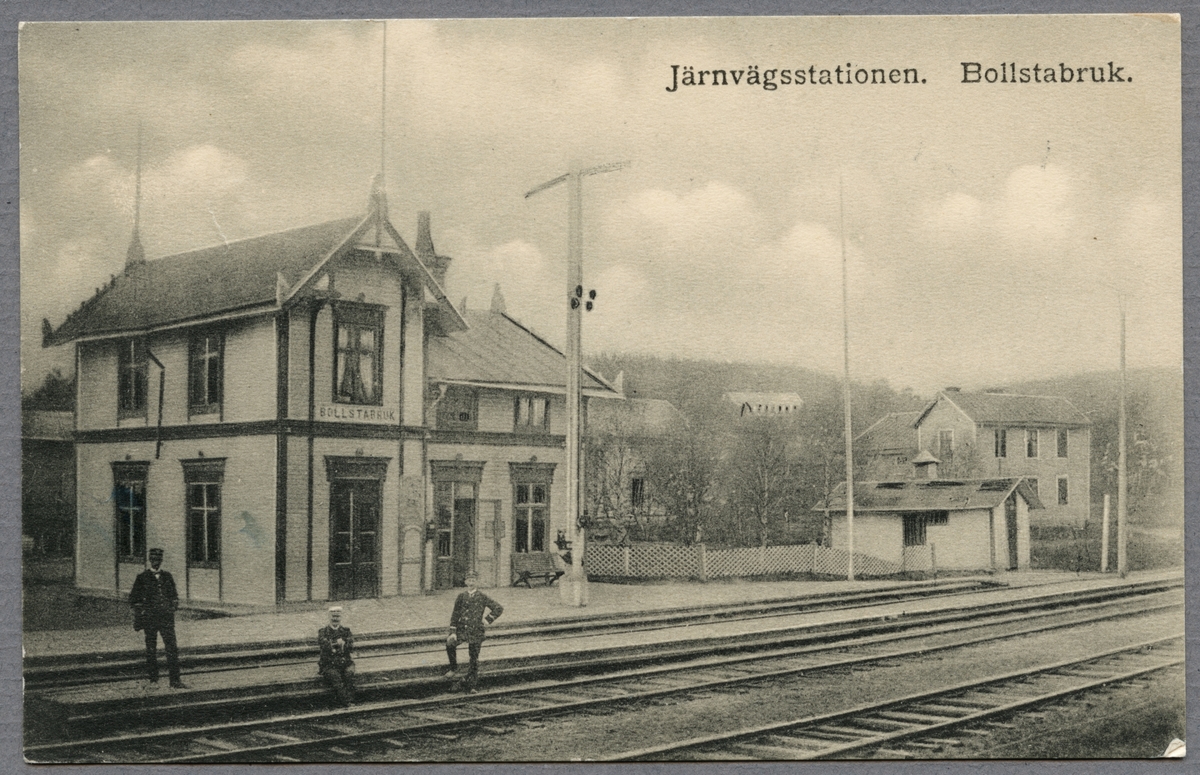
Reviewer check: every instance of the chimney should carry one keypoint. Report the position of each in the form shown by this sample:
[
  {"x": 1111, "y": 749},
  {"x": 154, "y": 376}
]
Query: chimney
[
  {"x": 436, "y": 264},
  {"x": 498, "y": 301},
  {"x": 926, "y": 465},
  {"x": 954, "y": 389}
]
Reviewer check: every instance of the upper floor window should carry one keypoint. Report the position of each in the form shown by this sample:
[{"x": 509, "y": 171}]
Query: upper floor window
[
  {"x": 358, "y": 353},
  {"x": 1062, "y": 442},
  {"x": 945, "y": 445},
  {"x": 131, "y": 377},
  {"x": 205, "y": 372},
  {"x": 1031, "y": 442},
  {"x": 203, "y": 479},
  {"x": 532, "y": 413},
  {"x": 129, "y": 501},
  {"x": 1001, "y": 442},
  {"x": 458, "y": 409}
]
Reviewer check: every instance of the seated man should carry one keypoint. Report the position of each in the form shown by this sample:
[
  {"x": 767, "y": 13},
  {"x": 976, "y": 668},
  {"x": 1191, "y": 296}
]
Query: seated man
[{"x": 335, "y": 665}]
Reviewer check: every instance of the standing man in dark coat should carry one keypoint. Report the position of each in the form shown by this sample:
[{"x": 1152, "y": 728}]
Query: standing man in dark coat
[
  {"x": 473, "y": 611},
  {"x": 336, "y": 665},
  {"x": 154, "y": 600}
]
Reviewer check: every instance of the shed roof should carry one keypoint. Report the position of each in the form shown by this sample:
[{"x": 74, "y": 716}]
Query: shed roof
[
  {"x": 932, "y": 495},
  {"x": 498, "y": 351},
  {"x": 894, "y": 431},
  {"x": 1012, "y": 409}
]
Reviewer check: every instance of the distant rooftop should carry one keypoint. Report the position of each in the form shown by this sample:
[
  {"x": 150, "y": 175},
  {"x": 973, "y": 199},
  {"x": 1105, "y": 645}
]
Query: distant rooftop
[
  {"x": 892, "y": 432},
  {"x": 1012, "y": 409},
  {"x": 766, "y": 403}
]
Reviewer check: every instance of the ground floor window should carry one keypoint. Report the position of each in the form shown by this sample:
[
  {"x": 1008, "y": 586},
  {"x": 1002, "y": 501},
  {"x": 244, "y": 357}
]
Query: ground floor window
[
  {"x": 531, "y": 506},
  {"x": 202, "y": 481},
  {"x": 129, "y": 501},
  {"x": 915, "y": 524},
  {"x": 1062, "y": 491}
]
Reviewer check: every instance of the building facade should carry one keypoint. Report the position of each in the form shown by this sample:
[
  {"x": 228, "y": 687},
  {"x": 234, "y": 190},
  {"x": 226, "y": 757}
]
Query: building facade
[
  {"x": 305, "y": 416},
  {"x": 976, "y": 524},
  {"x": 1044, "y": 439}
]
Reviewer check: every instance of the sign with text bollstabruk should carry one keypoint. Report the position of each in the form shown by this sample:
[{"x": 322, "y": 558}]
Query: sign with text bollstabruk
[{"x": 380, "y": 415}]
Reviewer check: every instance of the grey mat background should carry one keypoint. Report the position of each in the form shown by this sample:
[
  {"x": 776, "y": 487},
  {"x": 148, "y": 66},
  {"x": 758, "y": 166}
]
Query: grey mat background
[{"x": 14, "y": 11}]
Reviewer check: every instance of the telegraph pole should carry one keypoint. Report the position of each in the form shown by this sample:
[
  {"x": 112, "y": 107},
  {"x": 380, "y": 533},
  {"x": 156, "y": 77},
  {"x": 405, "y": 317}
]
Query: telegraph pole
[
  {"x": 846, "y": 389},
  {"x": 1122, "y": 472},
  {"x": 575, "y": 306}
]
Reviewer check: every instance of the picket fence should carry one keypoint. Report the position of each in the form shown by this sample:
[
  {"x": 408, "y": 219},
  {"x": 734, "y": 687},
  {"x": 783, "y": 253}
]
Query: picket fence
[{"x": 666, "y": 560}]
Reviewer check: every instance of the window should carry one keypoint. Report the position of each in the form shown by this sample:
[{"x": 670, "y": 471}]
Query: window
[
  {"x": 129, "y": 499},
  {"x": 205, "y": 373},
  {"x": 637, "y": 492},
  {"x": 358, "y": 354},
  {"x": 532, "y": 414},
  {"x": 1062, "y": 491},
  {"x": 1033, "y": 485},
  {"x": 532, "y": 506},
  {"x": 202, "y": 482},
  {"x": 1062, "y": 442},
  {"x": 915, "y": 524},
  {"x": 1001, "y": 442},
  {"x": 131, "y": 377},
  {"x": 1031, "y": 442},
  {"x": 945, "y": 445},
  {"x": 458, "y": 409}
]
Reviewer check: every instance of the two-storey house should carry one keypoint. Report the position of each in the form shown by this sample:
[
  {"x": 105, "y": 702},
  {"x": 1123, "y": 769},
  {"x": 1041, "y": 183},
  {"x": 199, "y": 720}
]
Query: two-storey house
[
  {"x": 1044, "y": 439},
  {"x": 305, "y": 416}
]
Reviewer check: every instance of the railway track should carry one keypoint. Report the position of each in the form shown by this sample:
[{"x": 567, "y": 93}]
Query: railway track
[
  {"x": 365, "y": 732},
  {"x": 381, "y": 681},
  {"x": 906, "y": 727},
  {"x": 62, "y": 671}
]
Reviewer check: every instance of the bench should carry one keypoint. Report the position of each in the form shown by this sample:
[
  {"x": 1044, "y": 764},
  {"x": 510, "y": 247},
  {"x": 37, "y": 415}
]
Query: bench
[{"x": 534, "y": 565}]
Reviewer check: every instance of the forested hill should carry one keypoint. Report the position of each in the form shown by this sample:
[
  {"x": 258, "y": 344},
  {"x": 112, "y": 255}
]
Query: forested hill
[{"x": 697, "y": 387}]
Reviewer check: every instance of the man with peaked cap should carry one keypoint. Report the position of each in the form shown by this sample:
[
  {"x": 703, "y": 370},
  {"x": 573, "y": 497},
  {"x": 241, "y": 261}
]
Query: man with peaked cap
[
  {"x": 336, "y": 665},
  {"x": 154, "y": 600},
  {"x": 473, "y": 611}
]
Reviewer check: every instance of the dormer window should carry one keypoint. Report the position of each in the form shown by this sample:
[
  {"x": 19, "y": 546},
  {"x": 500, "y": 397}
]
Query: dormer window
[
  {"x": 131, "y": 377},
  {"x": 206, "y": 373},
  {"x": 358, "y": 354}
]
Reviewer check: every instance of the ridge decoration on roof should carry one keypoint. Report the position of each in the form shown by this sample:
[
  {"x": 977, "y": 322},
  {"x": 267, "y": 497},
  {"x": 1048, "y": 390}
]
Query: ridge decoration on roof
[{"x": 239, "y": 278}]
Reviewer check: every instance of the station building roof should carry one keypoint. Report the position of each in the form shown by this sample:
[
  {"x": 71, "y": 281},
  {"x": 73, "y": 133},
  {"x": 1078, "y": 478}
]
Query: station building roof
[{"x": 932, "y": 495}]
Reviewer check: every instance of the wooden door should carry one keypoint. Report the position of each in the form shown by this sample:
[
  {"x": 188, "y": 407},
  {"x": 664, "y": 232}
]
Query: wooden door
[{"x": 354, "y": 510}]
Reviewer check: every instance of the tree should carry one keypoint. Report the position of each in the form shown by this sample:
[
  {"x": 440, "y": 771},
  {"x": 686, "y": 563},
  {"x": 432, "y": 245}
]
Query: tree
[
  {"x": 56, "y": 393},
  {"x": 762, "y": 472},
  {"x": 681, "y": 473}
]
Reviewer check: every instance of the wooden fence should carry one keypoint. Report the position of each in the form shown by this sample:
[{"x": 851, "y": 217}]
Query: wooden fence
[{"x": 665, "y": 560}]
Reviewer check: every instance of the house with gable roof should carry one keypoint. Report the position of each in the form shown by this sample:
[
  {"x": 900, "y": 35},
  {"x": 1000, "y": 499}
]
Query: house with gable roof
[
  {"x": 1044, "y": 439},
  {"x": 305, "y": 416}
]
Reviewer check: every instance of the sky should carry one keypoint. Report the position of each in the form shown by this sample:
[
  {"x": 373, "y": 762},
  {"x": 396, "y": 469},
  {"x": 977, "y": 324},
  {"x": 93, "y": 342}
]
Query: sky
[{"x": 988, "y": 229}]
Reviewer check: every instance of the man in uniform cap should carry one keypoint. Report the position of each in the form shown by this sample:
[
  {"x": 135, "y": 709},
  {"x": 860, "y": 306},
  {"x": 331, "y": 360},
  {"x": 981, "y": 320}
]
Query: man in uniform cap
[
  {"x": 154, "y": 600},
  {"x": 473, "y": 611},
  {"x": 336, "y": 665}
]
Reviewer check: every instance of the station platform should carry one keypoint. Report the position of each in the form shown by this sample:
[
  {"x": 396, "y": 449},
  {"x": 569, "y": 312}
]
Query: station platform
[{"x": 419, "y": 668}]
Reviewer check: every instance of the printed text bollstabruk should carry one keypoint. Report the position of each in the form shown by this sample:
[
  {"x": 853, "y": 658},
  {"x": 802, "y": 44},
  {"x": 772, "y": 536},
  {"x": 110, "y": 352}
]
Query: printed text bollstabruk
[
  {"x": 772, "y": 79},
  {"x": 1009, "y": 72}
]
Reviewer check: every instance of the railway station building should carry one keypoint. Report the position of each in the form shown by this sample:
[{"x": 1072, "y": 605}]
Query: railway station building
[{"x": 305, "y": 416}]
